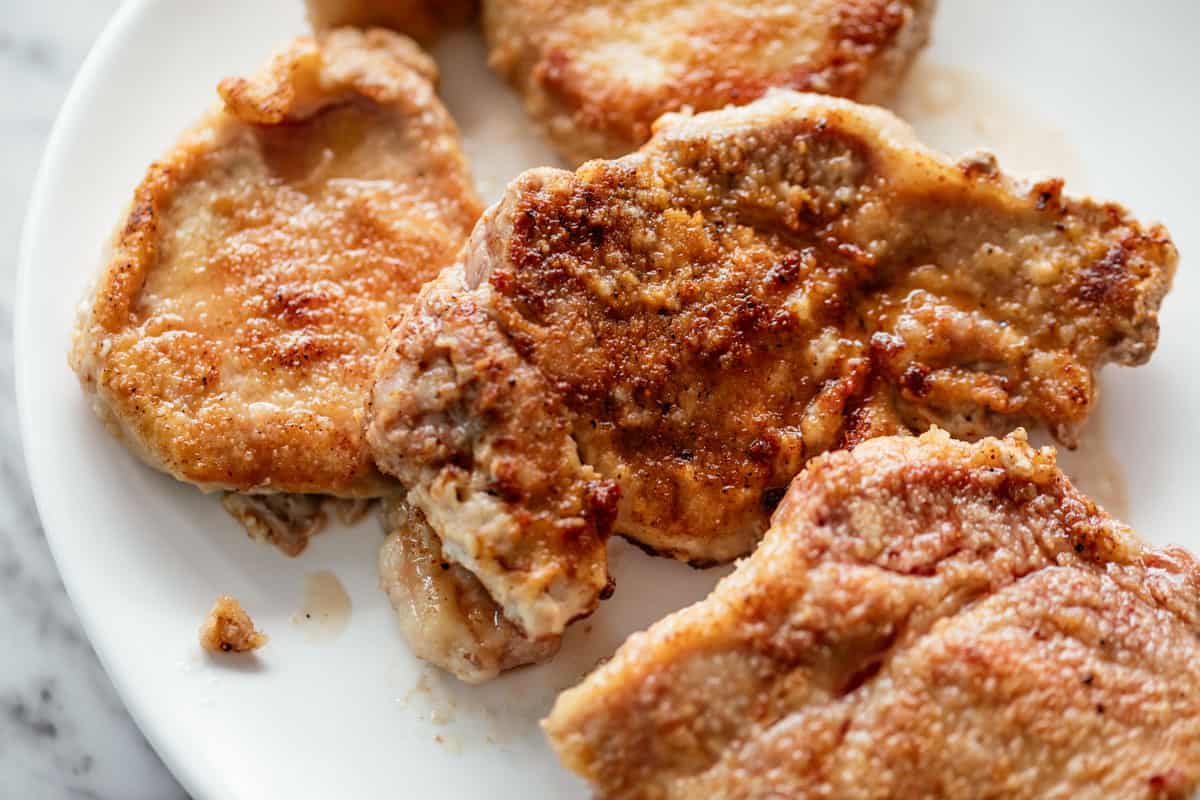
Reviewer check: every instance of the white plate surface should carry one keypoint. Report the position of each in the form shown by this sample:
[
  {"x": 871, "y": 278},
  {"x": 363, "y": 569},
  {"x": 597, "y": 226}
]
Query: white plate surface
[{"x": 1101, "y": 92}]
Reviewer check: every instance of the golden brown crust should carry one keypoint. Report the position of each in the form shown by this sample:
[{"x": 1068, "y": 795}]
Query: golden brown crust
[
  {"x": 483, "y": 444},
  {"x": 597, "y": 75},
  {"x": 925, "y": 618},
  {"x": 423, "y": 20},
  {"x": 228, "y": 628},
  {"x": 231, "y": 338},
  {"x": 751, "y": 289}
]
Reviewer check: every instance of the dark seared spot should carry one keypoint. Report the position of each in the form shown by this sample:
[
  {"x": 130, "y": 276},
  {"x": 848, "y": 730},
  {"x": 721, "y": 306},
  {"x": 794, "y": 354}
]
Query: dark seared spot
[
  {"x": 1048, "y": 193},
  {"x": 298, "y": 305},
  {"x": 786, "y": 270},
  {"x": 1106, "y": 281},
  {"x": 772, "y": 497},
  {"x": 764, "y": 448},
  {"x": 601, "y": 501},
  {"x": 915, "y": 380},
  {"x": 502, "y": 281},
  {"x": 1078, "y": 395},
  {"x": 141, "y": 216},
  {"x": 1172, "y": 783},
  {"x": 303, "y": 351},
  {"x": 979, "y": 166},
  {"x": 857, "y": 679},
  {"x": 507, "y": 482},
  {"x": 883, "y": 348}
]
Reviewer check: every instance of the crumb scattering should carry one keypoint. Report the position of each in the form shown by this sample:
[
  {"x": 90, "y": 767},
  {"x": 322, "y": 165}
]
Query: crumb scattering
[{"x": 228, "y": 628}]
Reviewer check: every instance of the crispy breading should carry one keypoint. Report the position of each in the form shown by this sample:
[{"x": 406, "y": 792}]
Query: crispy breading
[
  {"x": 925, "y": 618},
  {"x": 691, "y": 323},
  {"x": 423, "y": 20},
  {"x": 229, "y": 629},
  {"x": 445, "y": 613},
  {"x": 483, "y": 444},
  {"x": 596, "y": 75},
  {"x": 231, "y": 337}
]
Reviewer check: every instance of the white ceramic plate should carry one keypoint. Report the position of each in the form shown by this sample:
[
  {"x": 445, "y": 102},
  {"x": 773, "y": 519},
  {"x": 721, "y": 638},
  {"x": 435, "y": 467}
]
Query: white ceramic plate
[{"x": 1103, "y": 92}]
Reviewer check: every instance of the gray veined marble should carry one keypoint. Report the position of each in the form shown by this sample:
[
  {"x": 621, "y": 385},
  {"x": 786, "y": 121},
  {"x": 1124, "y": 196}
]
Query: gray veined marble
[{"x": 63, "y": 731}]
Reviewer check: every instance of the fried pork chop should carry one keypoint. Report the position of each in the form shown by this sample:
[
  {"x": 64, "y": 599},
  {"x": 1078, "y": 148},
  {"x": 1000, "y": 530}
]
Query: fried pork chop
[
  {"x": 596, "y": 75},
  {"x": 686, "y": 326},
  {"x": 232, "y": 335},
  {"x": 925, "y": 618},
  {"x": 445, "y": 613},
  {"x": 423, "y": 20}
]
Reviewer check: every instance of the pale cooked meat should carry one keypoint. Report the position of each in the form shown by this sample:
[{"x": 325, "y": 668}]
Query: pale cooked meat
[
  {"x": 483, "y": 444},
  {"x": 445, "y": 614},
  {"x": 285, "y": 520},
  {"x": 349, "y": 510},
  {"x": 229, "y": 629},
  {"x": 288, "y": 520},
  {"x": 421, "y": 19},
  {"x": 695, "y": 321},
  {"x": 925, "y": 618},
  {"x": 596, "y": 75},
  {"x": 232, "y": 334}
]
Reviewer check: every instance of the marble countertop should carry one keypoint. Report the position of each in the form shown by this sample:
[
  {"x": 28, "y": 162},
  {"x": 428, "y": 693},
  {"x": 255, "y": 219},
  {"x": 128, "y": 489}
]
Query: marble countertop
[{"x": 63, "y": 731}]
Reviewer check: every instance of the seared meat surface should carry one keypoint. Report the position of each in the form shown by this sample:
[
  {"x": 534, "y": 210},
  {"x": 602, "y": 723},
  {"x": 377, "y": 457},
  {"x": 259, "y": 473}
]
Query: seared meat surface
[
  {"x": 925, "y": 618},
  {"x": 232, "y": 335},
  {"x": 596, "y": 75},
  {"x": 688, "y": 325}
]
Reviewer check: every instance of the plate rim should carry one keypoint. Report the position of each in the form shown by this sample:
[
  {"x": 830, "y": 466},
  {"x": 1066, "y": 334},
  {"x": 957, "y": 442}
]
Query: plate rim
[{"x": 188, "y": 771}]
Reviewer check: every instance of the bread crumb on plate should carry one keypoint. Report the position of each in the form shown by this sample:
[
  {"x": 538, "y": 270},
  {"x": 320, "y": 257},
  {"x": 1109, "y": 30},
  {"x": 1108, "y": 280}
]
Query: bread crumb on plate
[{"x": 228, "y": 628}]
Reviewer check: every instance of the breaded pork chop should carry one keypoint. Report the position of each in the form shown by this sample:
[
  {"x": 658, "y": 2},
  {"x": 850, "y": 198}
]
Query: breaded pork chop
[
  {"x": 925, "y": 618},
  {"x": 232, "y": 334},
  {"x": 690, "y": 324},
  {"x": 423, "y": 20},
  {"x": 445, "y": 613},
  {"x": 596, "y": 75}
]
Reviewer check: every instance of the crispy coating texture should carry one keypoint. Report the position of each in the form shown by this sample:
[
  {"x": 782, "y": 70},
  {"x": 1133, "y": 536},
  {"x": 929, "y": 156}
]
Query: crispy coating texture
[
  {"x": 423, "y": 20},
  {"x": 228, "y": 628},
  {"x": 925, "y": 618},
  {"x": 596, "y": 75},
  {"x": 483, "y": 444},
  {"x": 232, "y": 335},
  {"x": 690, "y": 324},
  {"x": 446, "y": 615}
]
